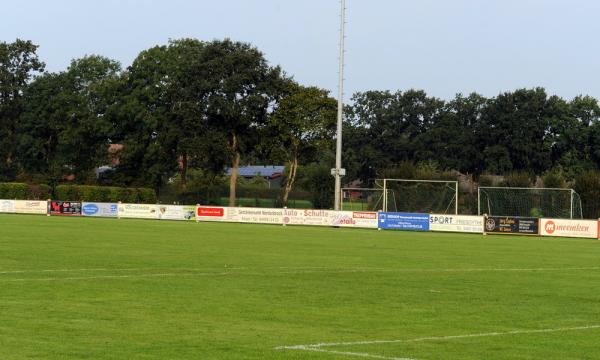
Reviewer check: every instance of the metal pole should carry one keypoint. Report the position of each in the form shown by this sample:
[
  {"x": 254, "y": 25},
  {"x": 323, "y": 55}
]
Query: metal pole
[
  {"x": 340, "y": 111},
  {"x": 572, "y": 203},
  {"x": 478, "y": 201},
  {"x": 385, "y": 200},
  {"x": 456, "y": 198}
]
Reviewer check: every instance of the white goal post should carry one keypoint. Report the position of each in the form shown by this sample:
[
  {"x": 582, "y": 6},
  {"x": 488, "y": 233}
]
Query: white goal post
[
  {"x": 529, "y": 202},
  {"x": 423, "y": 187}
]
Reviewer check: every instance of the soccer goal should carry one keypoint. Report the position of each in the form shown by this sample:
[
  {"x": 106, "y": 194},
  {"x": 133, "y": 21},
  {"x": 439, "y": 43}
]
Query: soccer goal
[
  {"x": 362, "y": 199},
  {"x": 529, "y": 202},
  {"x": 420, "y": 196}
]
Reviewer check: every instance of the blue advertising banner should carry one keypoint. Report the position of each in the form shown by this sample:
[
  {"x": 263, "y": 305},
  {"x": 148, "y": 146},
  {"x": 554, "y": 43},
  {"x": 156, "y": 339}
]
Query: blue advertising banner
[
  {"x": 404, "y": 221},
  {"x": 99, "y": 209}
]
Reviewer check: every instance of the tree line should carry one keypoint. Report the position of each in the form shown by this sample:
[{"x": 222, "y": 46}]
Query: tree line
[{"x": 207, "y": 106}]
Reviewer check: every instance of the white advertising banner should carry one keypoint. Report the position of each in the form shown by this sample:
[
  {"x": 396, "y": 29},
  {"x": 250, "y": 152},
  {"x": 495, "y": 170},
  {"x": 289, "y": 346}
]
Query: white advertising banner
[
  {"x": 138, "y": 211},
  {"x": 240, "y": 214},
  {"x": 569, "y": 228},
  {"x": 30, "y": 207},
  {"x": 456, "y": 223},
  {"x": 359, "y": 219},
  {"x": 7, "y": 206},
  {"x": 176, "y": 212},
  {"x": 99, "y": 209}
]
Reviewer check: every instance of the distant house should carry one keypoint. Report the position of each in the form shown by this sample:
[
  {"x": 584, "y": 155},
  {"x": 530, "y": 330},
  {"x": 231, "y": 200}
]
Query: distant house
[
  {"x": 269, "y": 172},
  {"x": 113, "y": 153}
]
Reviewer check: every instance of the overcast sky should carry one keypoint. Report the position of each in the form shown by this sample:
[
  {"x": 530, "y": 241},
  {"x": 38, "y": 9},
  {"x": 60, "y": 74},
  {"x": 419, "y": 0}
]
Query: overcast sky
[{"x": 441, "y": 46}]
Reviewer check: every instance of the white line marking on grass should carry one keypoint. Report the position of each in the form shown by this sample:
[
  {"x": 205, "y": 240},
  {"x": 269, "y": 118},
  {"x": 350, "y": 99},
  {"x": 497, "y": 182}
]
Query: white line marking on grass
[
  {"x": 118, "y": 276},
  {"x": 374, "y": 270},
  {"x": 257, "y": 272},
  {"x": 436, "y": 338},
  {"x": 108, "y": 269},
  {"x": 348, "y": 353},
  {"x": 66, "y": 270}
]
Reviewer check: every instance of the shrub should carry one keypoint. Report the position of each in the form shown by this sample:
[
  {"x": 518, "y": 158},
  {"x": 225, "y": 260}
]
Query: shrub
[
  {"x": 554, "y": 178},
  {"x": 39, "y": 192},
  {"x": 105, "y": 194},
  {"x": 316, "y": 179},
  {"x": 516, "y": 179},
  {"x": 146, "y": 196},
  {"x": 13, "y": 191},
  {"x": 67, "y": 192},
  {"x": 22, "y": 191},
  {"x": 486, "y": 180},
  {"x": 425, "y": 170},
  {"x": 587, "y": 185}
]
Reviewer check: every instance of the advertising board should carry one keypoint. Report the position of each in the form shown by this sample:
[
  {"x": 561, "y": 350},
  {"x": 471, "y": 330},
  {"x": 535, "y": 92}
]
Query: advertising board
[
  {"x": 206, "y": 213},
  {"x": 569, "y": 228},
  {"x": 456, "y": 223},
  {"x": 176, "y": 212},
  {"x": 7, "y": 206},
  {"x": 30, "y": 207},
  {"x": 100, "y": 209},
  {"x": 255, "y": 215},
  {"x": 511, "y": 225},
  {"x": 241, "y": 215},
  {"x": 138, "y": 211},
  {"x": 404, "y": 221},
  {"x": 358, "y": 219},
  {"x": 64, "y": 208}
]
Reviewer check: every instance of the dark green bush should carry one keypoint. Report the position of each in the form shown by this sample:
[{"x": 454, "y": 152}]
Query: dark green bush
[
  {"x": 67, "y": 193},
  {"x": 13, "y": 191},
  {"x": 146, "y": 196},
  {"x": 554, "y": 178},
  {"x": 21, "y": 191},
  {"x": 105, "y": 194},
  {"x": 587, "y": 185},
  {"x": 517, "y": 179},
  {"x": 316, "y": 179}
]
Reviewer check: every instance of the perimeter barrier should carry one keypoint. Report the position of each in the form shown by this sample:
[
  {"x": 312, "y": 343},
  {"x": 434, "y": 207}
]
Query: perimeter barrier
[{"x": 312, "y": 217}]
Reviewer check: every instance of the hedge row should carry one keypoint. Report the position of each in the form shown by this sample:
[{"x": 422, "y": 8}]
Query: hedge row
[
  {"x": 19, "y": 191},
  {"x": 105, "y": 194}
]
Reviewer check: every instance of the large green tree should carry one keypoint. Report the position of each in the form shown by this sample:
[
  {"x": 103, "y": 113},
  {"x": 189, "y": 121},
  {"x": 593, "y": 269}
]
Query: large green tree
[
  {"x": 163, "y": 117},
  {"x": 302, "y": 128},
  {"x": 138, "y": 116},
  {"x": 64, "y": 129},
  {"x": 452, "y": 141},
  {"x": 515, "y": 127},
  {"x": 244, "y": 91},
  {"x": 386, "y": 128},
  {"x": 18, "y": 64}
]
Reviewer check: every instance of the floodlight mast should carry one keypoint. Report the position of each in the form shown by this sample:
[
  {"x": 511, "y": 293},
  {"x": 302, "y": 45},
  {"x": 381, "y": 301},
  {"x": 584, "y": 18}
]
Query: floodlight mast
[{"x": 338, "y": 173}]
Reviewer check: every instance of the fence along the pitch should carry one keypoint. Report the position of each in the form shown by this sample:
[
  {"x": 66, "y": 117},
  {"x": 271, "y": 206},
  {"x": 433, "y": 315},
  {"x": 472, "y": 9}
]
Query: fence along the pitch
[{"x": 312, "y": 217}]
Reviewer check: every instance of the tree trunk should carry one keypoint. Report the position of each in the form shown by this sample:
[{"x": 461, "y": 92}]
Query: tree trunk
[
  {"x": 235, "y": 164},
  {"x": 290, "y": 180},
  {"x": 184, "y": 166}
]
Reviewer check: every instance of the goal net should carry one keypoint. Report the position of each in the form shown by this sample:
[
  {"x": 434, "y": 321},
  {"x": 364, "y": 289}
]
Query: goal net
[
  {"x": 529, "y": 202},
  {"x": 420, "y": 196},
  {"x": 362, "y": 199}
]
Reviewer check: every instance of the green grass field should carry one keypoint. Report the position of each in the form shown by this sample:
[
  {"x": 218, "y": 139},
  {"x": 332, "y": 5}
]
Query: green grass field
[{"x": 81, "y": 288}]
